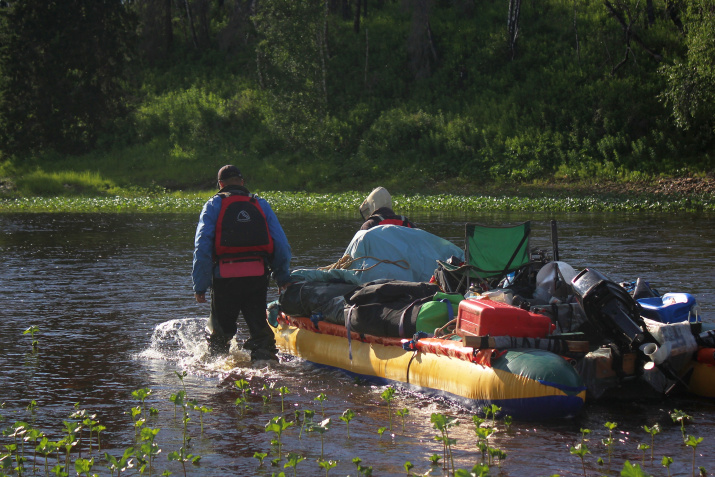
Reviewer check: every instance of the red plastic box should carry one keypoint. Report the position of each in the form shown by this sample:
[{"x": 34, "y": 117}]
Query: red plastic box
[{"x": 494, "y": 318}]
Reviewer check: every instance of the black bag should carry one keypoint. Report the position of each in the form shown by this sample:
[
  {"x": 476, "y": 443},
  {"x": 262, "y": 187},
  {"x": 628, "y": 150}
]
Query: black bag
[
  {"x": 387, "y": 307},
  {"x": 454, "y": 277},
  {"x": 305, "y": 298}
]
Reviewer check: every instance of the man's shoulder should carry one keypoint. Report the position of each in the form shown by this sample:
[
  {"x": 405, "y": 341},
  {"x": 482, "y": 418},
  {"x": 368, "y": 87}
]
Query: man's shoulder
[
  {"x": 212, "y": 201},
  {"x": 370, "y": 223},
  {"x": 264, "y": 203}
]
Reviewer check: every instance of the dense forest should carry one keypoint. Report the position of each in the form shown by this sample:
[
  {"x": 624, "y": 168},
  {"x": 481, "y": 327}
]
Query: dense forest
[{"x": 335, "y": 94}]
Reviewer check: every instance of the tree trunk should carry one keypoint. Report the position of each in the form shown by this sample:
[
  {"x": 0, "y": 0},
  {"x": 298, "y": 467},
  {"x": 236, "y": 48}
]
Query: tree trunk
[
  {"x": 513, "y": 25},
  {"x": 333, "y": 6},
  {"x": 575, "y": 30},
  {"x": 430, "y": 42},
  {"x": 323, "y": 53},
  {"x": 367, "y": 50},
  {"x": 168, "y": 27},
  {"x": 346, "y": 9},
  {"x": 630, "y": 34},
  {"x": 202, "y": 8},
  {"x": 356, "y": 23},
  {"x": 421, "y": 49},
  {"x": 650, "y": 10},
  {"x": 259, "y": 64},
  {"x": 190, "y": 20},
  {"x": 672, "y": 8}
]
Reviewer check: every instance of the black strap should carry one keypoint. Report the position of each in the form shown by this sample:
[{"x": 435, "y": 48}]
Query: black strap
[{"x": 513, "y": 256}]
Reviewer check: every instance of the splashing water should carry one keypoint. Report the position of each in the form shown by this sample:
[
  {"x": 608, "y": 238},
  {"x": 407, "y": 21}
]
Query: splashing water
[
  {"x": 183, "y": 341},
  {"x": 177, "y": 340}
]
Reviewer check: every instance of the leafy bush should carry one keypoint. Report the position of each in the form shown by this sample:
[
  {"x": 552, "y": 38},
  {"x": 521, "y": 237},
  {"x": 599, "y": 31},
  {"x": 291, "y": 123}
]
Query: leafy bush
[
  {"x": 67, "y": 183},
  {"x": 296, "y": 110}
]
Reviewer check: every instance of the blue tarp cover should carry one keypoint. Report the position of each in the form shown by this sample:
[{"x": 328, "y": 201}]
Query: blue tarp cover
[{"x": 411, "y": 255}]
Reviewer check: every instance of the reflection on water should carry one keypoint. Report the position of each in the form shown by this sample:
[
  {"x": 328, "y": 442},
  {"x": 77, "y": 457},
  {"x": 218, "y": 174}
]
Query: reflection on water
[{"x": 111, "y": 296}]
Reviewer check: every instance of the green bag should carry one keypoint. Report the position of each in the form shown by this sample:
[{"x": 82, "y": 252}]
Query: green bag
[{"x": 438, "y": 312}]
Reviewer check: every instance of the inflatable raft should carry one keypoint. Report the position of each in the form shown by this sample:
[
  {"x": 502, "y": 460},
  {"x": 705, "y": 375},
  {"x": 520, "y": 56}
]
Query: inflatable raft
[
  {"x": 527, "y": 384},
  {"x": 537, "y": 343}
]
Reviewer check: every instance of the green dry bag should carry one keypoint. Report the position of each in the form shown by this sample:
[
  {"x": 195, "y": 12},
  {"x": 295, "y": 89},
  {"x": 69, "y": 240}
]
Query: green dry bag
[{"x": 438, "y": 312}]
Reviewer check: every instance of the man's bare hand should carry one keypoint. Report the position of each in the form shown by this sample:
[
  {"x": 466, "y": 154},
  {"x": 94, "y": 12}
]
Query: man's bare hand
[{"x": 200, "y": 297}]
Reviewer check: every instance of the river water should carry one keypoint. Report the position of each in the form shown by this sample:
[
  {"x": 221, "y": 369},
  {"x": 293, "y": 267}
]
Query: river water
[{"x": 111, "y": 298}]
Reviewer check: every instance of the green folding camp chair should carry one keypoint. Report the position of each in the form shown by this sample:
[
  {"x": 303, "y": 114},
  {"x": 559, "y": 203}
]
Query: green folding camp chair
[
  {"x": 491, "y": 253},
  {"x": 495, "y": 252}
]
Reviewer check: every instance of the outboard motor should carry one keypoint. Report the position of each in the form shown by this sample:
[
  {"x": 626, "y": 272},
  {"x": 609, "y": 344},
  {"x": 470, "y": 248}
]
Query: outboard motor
[
  {"x": 613, "y": 314},
  {"x": 610, "y": 309}
]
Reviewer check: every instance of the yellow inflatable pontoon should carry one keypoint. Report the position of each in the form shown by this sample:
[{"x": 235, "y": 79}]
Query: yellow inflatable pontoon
[{"x": 528, "y": 384}]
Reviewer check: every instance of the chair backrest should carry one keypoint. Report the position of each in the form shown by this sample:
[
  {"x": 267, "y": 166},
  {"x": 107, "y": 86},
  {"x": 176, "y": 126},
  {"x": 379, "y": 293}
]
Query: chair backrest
[{"x": 496, "y": 251}]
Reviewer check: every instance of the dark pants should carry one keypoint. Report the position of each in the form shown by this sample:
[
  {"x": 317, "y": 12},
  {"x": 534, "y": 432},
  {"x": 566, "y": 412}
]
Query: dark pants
[{"x": 245, "y": 295}]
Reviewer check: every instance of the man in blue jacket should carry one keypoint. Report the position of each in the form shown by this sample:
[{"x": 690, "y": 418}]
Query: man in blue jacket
[{"x": 238, "y": 242}]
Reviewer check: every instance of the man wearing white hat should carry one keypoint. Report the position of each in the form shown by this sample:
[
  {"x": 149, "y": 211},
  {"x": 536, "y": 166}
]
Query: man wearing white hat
[{"x": 376, "y": 209}]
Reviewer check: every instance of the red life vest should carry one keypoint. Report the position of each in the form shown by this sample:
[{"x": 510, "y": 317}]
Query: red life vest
[
  {"x": 243, "y": 240},
  {"x": 396, "y": 220}
]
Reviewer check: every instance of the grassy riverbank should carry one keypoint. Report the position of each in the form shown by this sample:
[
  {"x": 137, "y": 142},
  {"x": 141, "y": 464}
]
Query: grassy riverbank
[
  {"x": 522, "y": 198},
  {"x": 115, "y": 186}
]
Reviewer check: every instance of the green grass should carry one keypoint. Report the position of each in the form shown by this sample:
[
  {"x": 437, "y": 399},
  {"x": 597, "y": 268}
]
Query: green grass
[
  {"x": 191, "y": 202},
  {"x": 66, "y": 182}
]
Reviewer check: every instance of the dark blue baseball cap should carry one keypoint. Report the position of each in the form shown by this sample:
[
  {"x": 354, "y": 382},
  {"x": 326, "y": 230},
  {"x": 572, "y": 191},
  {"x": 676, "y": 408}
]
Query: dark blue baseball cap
[{"x": 229, "y": 171}]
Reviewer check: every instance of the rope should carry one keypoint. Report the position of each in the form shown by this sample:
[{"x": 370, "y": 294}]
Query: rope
[
  {"x": 409, "y": 363},
  {"x": 440, "y": 332},
  {"x": 346, "y": 261},
  {"x": 412, "y": 346}
]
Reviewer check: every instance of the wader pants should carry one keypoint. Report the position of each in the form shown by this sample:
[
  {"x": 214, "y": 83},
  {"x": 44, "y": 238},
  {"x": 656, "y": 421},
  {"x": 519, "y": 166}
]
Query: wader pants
[{"x": 240, "y": 295}]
